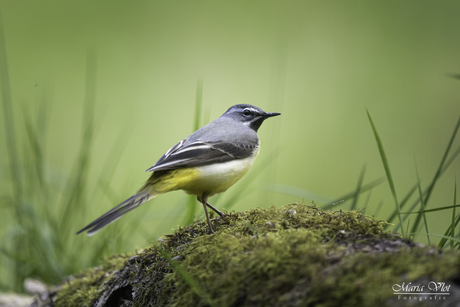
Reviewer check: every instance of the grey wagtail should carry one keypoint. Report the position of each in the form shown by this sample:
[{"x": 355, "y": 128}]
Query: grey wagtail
[{"x": 206, "y": 163}]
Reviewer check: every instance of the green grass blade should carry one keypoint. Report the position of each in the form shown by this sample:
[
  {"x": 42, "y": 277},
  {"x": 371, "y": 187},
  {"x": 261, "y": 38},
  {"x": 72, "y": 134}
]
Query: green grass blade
[
  {"x": 432, "y": 210},
  {"x": 452, "y": 233},
  {"x": 407, "y": 229},
  {"x": 436, "y": 235},
  {"x": 388, "y": 173},
  {"x": 8, "y": 116},
  {"x": 198, "y": 105},
  {"x": 443, "y": 241},
  {"x": 290, "y": 190},
  {"x": 110, "y": 166},
  {"x": 366, "y": 203},
  {"x": 358, "y": 188},
  {"x": 298, "y": 192},
  {"x": 191, "y": 199},
  {"x": 455, "y": 76},
  {"x": 422, "y": 202},
  {"x": 403, "y": 203},
  {"x": 451, "y": 159},
  {"x": 414, "y": 205},
  {"x": 445, "y": 167},
  {"x": 364, "y": 188},
  {"x": 191, "y": 210},
  {"x": 12, "y": 151},
  {"x": 377, "y": 210},
  {"x": 75, "y": 190},
  {"x": 439, "y": 171},
  {"x": 103, "y": 185}
]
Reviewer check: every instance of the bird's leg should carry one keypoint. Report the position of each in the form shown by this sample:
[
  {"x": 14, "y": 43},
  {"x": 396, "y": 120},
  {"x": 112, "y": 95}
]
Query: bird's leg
[
  {"x": 204, "y": 202},
  {"x": 215, "y": 210},
  {"x": 207, "y": 218}
]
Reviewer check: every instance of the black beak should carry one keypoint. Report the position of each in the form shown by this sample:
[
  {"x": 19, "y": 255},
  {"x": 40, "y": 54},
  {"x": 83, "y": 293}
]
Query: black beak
[
  {"x": 255, "y": 124},
  {"x": 271, "y": 114}
]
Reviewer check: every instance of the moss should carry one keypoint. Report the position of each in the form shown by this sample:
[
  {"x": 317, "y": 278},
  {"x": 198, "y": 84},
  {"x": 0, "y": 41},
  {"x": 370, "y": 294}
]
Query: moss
[
  {"x": 84, "y": 288},
  {"x": 295, "y": 255}
]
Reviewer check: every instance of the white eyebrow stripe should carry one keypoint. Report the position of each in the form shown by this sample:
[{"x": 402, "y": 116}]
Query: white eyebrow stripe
[
  {"x": 188, "y": 148},
  {"x": 253, "y": 110}
]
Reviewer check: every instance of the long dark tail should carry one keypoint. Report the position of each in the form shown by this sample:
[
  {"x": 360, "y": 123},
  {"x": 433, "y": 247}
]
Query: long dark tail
[{"x": 131, "y": 203}]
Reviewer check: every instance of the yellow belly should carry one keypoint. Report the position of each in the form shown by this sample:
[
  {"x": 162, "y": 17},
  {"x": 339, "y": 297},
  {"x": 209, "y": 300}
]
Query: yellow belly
[
  {"x": 210, "y": 179},
  {"x": 217, "y": 178}
]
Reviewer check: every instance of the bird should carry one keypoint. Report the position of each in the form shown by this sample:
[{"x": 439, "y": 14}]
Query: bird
[{"x": 207, "y": 162}]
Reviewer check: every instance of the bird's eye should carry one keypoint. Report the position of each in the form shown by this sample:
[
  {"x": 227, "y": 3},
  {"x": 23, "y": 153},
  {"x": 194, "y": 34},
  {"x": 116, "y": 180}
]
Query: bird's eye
[{"x": 247, "y": 112}]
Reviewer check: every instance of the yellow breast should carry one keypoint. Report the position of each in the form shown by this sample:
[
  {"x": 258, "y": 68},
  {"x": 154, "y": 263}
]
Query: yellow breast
[
  {"x": 212, "y": 179},
  {"x": 217, "y": 178}
]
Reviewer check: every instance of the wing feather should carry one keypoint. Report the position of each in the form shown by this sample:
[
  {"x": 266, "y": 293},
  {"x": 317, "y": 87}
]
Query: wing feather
[{"x": 186, "y": 154}]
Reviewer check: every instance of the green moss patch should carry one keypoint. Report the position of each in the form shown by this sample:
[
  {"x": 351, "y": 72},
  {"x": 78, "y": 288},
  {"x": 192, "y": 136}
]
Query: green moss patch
[
  {"x": 84, "y": 288},
  {"x": 295, "y": 255}
]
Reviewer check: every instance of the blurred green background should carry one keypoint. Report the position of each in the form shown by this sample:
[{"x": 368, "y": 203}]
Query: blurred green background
[{"x": 140, "y": 66}]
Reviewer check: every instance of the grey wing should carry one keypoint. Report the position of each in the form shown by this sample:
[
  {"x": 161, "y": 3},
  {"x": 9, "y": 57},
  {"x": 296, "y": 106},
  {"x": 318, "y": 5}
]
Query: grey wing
[{"x": 197, "y": 153}]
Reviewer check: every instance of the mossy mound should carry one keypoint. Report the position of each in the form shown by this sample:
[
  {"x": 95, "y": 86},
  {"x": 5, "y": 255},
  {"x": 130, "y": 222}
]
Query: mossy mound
[{"x": 295, "y": 255}]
